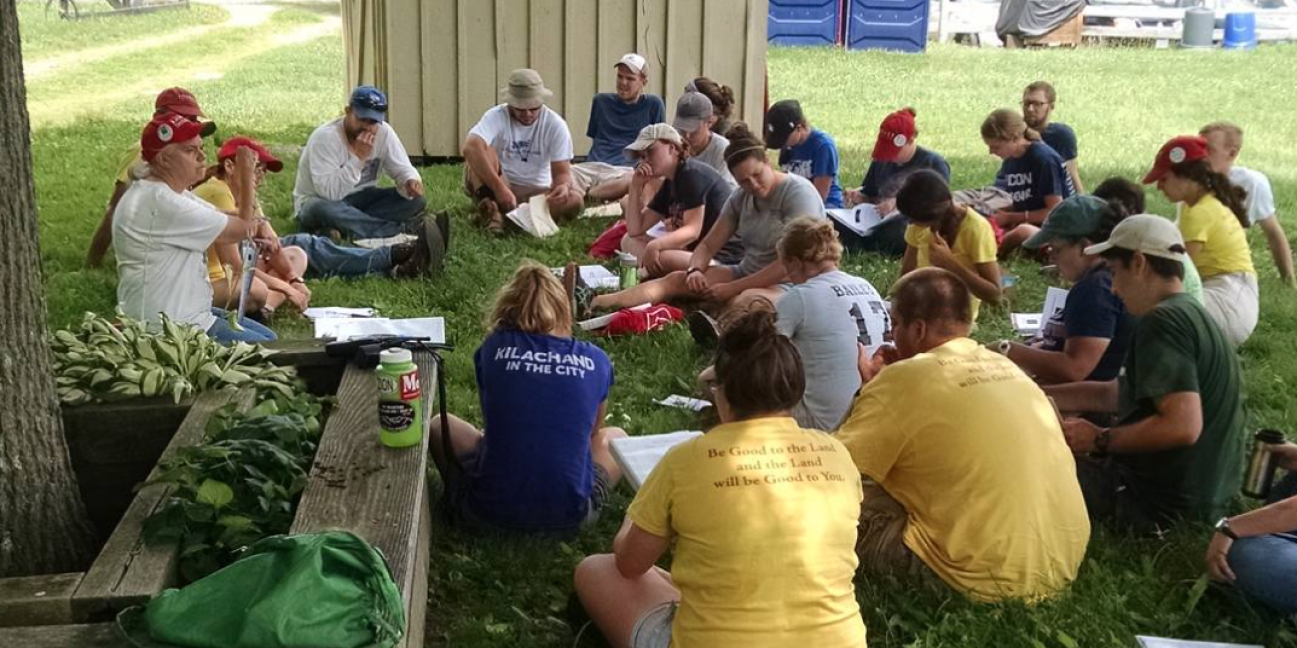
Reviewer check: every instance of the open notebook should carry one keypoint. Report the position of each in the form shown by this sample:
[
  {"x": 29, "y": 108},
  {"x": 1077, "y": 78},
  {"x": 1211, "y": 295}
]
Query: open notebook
[
  {"x": 638, "y": 455},
  {"x": 1160, "y": 642}
]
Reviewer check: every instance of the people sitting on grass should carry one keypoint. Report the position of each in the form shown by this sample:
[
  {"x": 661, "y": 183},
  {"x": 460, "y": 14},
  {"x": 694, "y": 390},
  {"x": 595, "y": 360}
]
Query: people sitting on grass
[
  {"x": 616, "y": 118},
  {"x": 172, "y": 100},
  {"x": 1127, "y": 199},
  {"x": 948, "y": 235},
  {"x": 804, "y": 151},
  {"x": 722, "y": 98},
  {"x": 1257, "y": 551},
  {"x": 828, "y": 314},
  {"x": 1037, "y": 107},
  {"x": 1088, "y": 339},
  {"x": 756, "y": 213},
  {"x": 687, "y": 205},
  {"x": 337, "y": 175},
  {"x": 759, "y": 514},
  {"x": 1175, "y": 450},
  {"x": 517, "y": 150},
  {"x": 695, "y": 116},
  {"x": 1224, "y": 141},
  {"x": 541, "y": 462},
  {"x": 1212, "y": 220},
  {"x": 969, "y": 485},
  {"x": 161, "y": 233},
  {"x": 896, "y": 155},
  {"x": 1033, "y": 175}
]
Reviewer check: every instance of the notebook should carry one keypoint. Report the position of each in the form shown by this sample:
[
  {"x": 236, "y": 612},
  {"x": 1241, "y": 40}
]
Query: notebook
[
  {"x": 638, "y": 455},
  {"x": 859, "y": 219}
]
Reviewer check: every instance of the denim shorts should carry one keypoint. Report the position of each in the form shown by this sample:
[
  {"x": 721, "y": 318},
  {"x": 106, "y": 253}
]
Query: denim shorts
[
  {"x": 653, "y": 630},
  {"x": 599, "y": 492}
]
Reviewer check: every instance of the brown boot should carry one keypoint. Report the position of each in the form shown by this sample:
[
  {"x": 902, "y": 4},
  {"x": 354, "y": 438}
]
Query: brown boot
[{"x": 489, "y": 216}]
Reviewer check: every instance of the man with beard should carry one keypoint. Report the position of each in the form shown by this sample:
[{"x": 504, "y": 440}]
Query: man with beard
[{"x": 1037, "y": 106}]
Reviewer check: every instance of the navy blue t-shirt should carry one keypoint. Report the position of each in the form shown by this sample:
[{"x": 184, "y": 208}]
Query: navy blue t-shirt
[
  {"x": 1092, "y": 310},
  {"x": 1038, "y": 173},
  {"x": 540, "y": 395},
  {"x": 815, "y": 158},
  {"x": 615, "y": 124},
  {"x": 884, "y": 179},
  {"x": 1062, "y": 139}
]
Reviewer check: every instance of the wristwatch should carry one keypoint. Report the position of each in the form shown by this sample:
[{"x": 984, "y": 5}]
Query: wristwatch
[
  {"x": 692, "y": 270},
  {"x": 1003, "y": 347},
  {"x": 1222, "y": 527}
]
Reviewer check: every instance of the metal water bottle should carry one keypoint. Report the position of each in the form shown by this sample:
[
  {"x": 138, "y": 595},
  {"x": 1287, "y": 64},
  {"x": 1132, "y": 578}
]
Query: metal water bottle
[
  {"x": 1260, "y": 470},
  {"x": 400, "y": 399}
]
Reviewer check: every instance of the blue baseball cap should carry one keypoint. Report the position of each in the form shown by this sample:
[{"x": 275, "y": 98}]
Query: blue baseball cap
[{"x": 368, "y": 102}]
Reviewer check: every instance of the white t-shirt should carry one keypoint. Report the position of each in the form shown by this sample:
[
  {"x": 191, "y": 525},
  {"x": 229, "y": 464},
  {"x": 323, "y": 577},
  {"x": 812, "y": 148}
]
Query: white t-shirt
[
  {"x": 714, "y": 157},
  {"x": 161, "y": 238},
  {"x": 1260, "y": 197},
  {"x": 525, "y": 152},
  {"x": 329, "y": 170}
]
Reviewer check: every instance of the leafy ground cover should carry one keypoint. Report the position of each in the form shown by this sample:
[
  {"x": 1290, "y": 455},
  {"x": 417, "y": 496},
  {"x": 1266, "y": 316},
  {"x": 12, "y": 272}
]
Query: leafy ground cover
[{"x": 488, "y": 591}]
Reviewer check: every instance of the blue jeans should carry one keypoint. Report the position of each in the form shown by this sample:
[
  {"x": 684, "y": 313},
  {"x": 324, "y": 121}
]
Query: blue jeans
[
  {"x": 368, "y": 213},
  {"x": 252, "y": 333},
  {"x": 328, "y": 259},
  {"x": 1266, "y": 566}
]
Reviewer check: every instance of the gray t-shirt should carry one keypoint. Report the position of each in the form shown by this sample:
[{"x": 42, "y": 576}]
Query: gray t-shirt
[
  {"x": 826, "y": 317},
  {"x": 759, "y": 222},
  {"x": 714, "y": 157}
]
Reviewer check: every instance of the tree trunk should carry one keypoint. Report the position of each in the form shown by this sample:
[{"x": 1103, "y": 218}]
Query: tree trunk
[{"x": 43, "y": 525}]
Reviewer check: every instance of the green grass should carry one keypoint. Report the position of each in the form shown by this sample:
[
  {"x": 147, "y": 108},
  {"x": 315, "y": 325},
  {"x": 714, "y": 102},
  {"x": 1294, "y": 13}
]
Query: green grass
[
  {"x": 490, "y": 591},
  {"x": 46, "y": 35}
]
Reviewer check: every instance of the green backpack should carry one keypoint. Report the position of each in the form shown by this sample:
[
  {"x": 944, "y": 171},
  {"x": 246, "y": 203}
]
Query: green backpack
[{"x": 317, "y": 590}]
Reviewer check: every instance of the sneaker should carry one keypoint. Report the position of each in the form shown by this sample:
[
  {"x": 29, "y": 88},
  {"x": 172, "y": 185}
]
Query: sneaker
[
  {"x": 489, "y": 216},
  {"x": 703, "y": 328},
  {"x": 579, "y": 293}
]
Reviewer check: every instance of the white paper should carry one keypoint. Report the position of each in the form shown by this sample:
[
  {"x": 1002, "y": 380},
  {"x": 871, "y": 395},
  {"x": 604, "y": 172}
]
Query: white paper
[
  {"x": 858, "y": 219},
  {"x": 375, "y": 243},
  {"x": 683, "y": 402},
  {"x": 595, "y": 276},
  {"x": 596, "y": 323},
  {"x": 1027, "y": 324},
  {"x": 318, "y": 312},
  {"x": 346, "y": 328},
  {"x": 639, "y": 455},
  {"x": 607, "y": 210},
  {"x": 1055, "y": 300},
  {"x": 658, "y": 230},
  {"x": 1162, "y": 642},
  {"x": 533, "y": 217}
]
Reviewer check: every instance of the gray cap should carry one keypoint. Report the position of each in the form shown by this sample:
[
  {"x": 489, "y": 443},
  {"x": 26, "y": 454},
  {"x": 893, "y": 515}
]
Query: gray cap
[{"x": 692, "y": 112}]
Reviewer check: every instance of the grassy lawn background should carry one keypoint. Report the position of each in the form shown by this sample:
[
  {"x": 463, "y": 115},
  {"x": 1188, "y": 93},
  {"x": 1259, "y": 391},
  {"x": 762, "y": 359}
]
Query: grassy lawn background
[{"x": 490, "y": 591}]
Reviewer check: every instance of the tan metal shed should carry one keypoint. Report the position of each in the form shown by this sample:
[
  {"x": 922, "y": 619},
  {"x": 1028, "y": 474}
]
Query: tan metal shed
[{"x": 442, "y": 62}]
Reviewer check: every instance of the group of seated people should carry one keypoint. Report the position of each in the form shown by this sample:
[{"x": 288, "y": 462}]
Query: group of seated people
[{"x": 847, "y": 422}]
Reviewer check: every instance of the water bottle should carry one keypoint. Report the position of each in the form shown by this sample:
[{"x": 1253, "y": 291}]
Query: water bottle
[
  {"x": 1260, "y": 470},
  {"x": 629, "y": 270},
  {"x": 400, "y": 399}
]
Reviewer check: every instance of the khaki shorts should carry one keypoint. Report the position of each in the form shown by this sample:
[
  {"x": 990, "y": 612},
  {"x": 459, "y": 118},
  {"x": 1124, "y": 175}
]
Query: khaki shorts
[
  {"x": 521, "y": 192},
  {"x": 880, "y": 540},
  {"x": 1233, "y": 301},
  {"x": 589, "y": 175}
]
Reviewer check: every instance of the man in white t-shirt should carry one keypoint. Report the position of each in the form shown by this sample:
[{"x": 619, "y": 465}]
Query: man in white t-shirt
[
  {"x": 337, "y": 176},
  {"x": 517, "y": 150},
  {"x": 161, "y": 233},
  {"x": 695, "y": 117},
  {"x": 1224, "y": 141}
]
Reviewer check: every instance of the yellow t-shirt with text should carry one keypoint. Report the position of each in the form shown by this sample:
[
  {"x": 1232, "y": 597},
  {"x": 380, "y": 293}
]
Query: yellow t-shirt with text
[
  {"x": 973, "y": 450},
  {"x": 973, "y": 245},
  {"x": 218, "y": 193},
  {"x": 1224, "y": 243},
  {"x": 764, "y": 516}
]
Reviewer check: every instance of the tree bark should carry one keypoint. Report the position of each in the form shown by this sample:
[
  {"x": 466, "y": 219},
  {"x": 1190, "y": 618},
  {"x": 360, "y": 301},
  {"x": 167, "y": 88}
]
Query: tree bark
[{"x": 43, "y": 524}]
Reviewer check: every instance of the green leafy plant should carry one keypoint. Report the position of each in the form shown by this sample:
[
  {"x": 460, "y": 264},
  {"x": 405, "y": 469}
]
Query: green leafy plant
[{"x": 112, "y": 361}]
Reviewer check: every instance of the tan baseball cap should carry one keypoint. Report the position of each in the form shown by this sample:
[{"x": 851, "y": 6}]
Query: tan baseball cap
[
  {"x": 1146, "y": 233},
  {"x": 653, "y": 133}
]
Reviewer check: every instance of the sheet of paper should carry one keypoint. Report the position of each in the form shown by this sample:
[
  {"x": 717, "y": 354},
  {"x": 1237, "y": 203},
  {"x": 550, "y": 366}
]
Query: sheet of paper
[
  {"x": 375, "y": 243},
  {"x": 595, "y": 276},
  {"x": 1055, "y": 300},
  {"x": 1162, "y": 642},
  {"x": 683, "y": 402},
  {"x": 638, "y": 455},
  {"x": 607, "y": 210},
  {"x": 858, "y": 219},
  {"x": 318, "y": 312},
  {"x": 657, "y": 231},
  {"x": 1027, "y": 324},
  {"x": 346, "y": 328},
  {"x": 596, "y": 323}
]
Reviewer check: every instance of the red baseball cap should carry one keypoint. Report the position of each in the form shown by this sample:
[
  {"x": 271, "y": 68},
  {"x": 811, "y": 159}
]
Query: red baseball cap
[
  {"x": 179, "y": 101},
  {"x": 167, "y": 128},
  {"x": 231, "y": 146},
  {"x": 897, "y": 131},
  {"x": 1185, "y": 148}
]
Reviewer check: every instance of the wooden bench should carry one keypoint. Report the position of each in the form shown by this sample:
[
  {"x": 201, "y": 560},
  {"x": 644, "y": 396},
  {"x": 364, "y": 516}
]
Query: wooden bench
[
  {"x": 379, "y": 493},
  {"x": 88, "y": 635}
]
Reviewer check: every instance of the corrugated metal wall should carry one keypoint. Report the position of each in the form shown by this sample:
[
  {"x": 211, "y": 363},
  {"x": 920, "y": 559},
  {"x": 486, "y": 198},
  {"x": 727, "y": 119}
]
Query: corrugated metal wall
[{"x": 442, "y": 62}]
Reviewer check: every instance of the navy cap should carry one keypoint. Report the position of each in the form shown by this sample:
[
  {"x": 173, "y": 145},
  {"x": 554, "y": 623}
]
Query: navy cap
[{"x": 368, "y": 102}]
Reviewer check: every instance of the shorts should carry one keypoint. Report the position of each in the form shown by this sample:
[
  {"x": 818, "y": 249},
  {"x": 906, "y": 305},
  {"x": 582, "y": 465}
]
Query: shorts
[
  {"x": 589, "y": 175},
  {"x": 521, "y": 192},
  {"x": 457, "y": 499},
  {"x": 1233, "y": 302},
  {"x": 653, "y": 630}
]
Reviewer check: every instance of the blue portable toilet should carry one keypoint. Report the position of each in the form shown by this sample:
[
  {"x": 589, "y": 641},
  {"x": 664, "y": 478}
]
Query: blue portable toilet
[
  {"x": 900, "y": 25},
  {"x": 1240, "y": 30},
  {"x": 804, "y": 22}
]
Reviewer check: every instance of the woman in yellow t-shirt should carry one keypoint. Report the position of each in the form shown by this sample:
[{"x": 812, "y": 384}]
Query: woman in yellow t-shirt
[
  {"x": 948, "y": 235},
  {"x": 762, "y": 514},
  {"x": 1212, "y": 220}
]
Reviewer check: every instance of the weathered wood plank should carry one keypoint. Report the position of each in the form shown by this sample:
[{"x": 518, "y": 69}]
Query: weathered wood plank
[
  {"x": 478, "y": 87},
  {"x": 722, "y": 53},
  {"x": 441, "y": 133},
  {"x": 651, "y": 37},
  {"x": 38, "y": 600},
  {"x": 616, "y": 36},
  {"x": 580, "y": 71},
  {"x": 129, "y": 571},
  {"x": 752, "y": 91},
  {"x": 546, "y": 56},
  {"x": 684, "y": 47},
  {"x": 512, "y": 24},
  {"x": 96, "y": 635},
  {"x": 376, "y": 492},
  {"x": 404, "y": 82}
]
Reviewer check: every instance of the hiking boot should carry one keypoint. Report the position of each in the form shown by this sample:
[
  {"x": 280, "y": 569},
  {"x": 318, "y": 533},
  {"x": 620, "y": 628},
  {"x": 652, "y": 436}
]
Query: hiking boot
[
  {"x": 401, "y": 252},
  {"x": 428, "y": 255},
  {"x": 703, "y": 328},
  {"x": 489, "y": 216},
  {"x": 579, "y": 293},
  {"x": 442, "y": 218}
]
